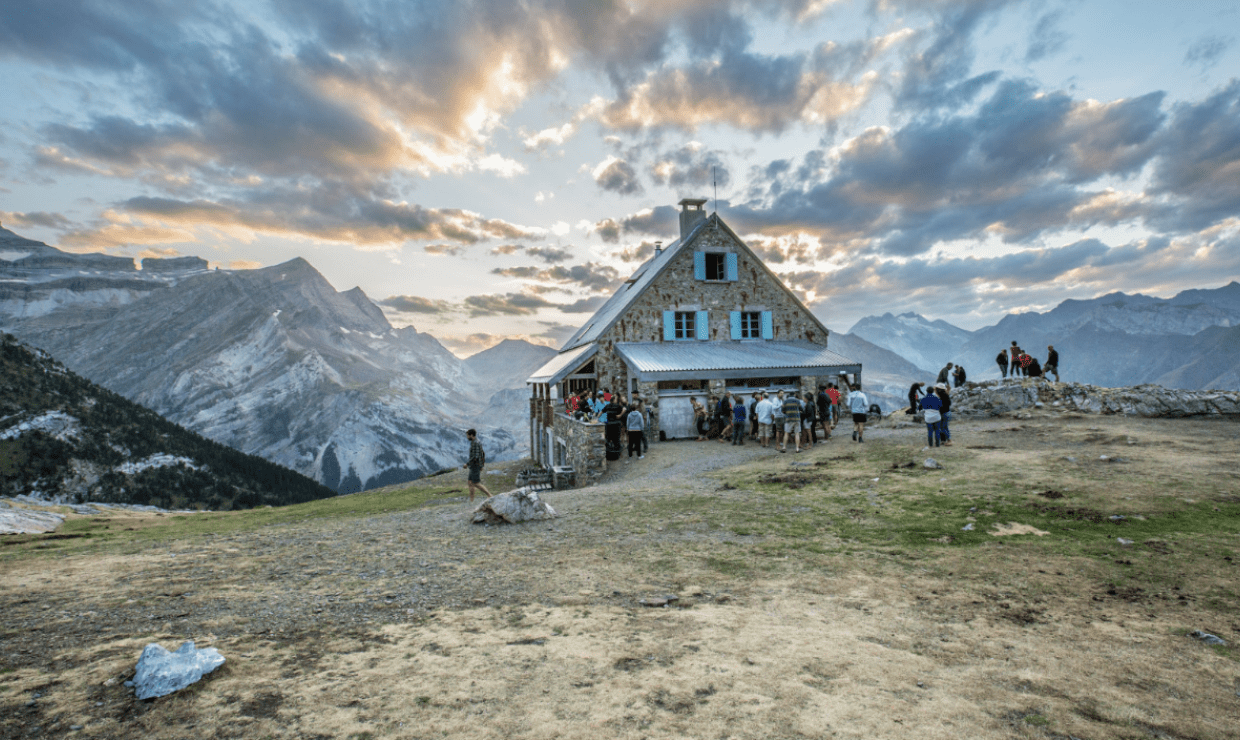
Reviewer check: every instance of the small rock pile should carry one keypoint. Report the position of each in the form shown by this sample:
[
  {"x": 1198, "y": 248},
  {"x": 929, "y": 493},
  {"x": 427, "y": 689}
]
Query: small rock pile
[{"x": 996, "y": 397}]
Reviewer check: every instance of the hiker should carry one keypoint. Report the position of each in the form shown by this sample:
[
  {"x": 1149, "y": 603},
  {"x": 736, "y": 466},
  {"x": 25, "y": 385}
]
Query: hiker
[
  {"x": 834, "y": 394},
  {"x": 823, "y": 402},
  {"x": 858, "y": 404},
  {"x": 596, "y": 406},
  {"x": 809, "y": 419},
  {"x": 740, "y": 419},
  {"x": 1016, "y": 353},
  {"x": 1034, "y": 367},
  {"x": 1002, "y": 359},
  {"x": 765, "y": 420},
  {"x": 944, "y": 373},
  {"x": 959, "y": 376},
  {"x": 932, "y": 412},
  {"x": 1052, "y": 362},
  {"x": 641, "y": 408},
  {"x": 725, "y": 417},
  {"x": 792, "y": 422},
  {"x": 944, "y": 430},
  {"x": 611, "y": 431},
  {"x": 914, "y": 391},
  {"x": 753, "y": 416},
  {"x": 477, "y": 458},
  {"x": 699, "y": 418},
  {"x": 635, "y": 423},
  {"x": 777, "y": 418}
]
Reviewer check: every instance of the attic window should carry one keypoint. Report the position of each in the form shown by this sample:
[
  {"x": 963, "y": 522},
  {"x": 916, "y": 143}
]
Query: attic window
[{"x": 716, "y": 267}]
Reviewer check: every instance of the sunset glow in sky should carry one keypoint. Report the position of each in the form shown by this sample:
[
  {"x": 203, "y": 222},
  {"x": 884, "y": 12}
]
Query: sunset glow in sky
[{"x": 491, "y": 168}]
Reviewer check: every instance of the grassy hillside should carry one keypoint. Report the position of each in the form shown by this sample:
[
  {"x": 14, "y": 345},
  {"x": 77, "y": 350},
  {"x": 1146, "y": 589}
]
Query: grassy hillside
[{"x": 99, "y": 446}]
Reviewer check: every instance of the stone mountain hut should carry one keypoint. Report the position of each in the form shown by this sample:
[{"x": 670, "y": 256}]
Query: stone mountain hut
[{"x": 701, "y": 317}]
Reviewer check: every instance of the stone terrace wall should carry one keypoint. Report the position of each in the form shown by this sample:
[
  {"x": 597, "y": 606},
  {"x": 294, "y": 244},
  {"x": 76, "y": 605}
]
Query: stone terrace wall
[
  {"x": 587, "y": 447},
  {"x": 995, "y": 397}
]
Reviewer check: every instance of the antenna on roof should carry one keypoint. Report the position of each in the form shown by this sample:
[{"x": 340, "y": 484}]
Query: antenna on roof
[{"x": 715, "y": 184}]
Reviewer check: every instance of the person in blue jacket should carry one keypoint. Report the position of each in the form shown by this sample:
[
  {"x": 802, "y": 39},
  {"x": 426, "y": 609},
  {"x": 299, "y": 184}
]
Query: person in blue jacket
[
  {"x": 932, "y": 407},
  {"x": 740, "y": 419}
]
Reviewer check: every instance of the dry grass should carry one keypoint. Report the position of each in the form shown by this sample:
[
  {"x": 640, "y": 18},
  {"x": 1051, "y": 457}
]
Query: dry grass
[{"x": 814, "y": 602}]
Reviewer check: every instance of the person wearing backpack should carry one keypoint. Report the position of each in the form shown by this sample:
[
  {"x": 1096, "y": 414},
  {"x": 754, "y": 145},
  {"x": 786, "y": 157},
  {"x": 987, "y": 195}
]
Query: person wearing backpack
[
  {"x": 477, "y": 459},
  {"x": 931, "y": 406}
]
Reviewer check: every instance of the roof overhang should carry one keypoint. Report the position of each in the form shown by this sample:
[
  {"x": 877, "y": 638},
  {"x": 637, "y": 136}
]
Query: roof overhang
[
  {"x": 564, "y": 364},
  {"x": 692, "y": 360}
]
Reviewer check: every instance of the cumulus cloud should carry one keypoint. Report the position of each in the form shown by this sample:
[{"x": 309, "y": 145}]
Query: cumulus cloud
[
  {"x": 506, "y": 249},
  {"x": 416, "y": 304},
  {"x": 608, "y": 230},
  {"x": 505, "y": 304},
  {"x": 332, "y": 212},
  {"x": 591, "y": 275},
  {"x": 442, "y": 249},
  {"x": 617, "y": 176},
  {"x": 550, "y": 255},
  {"x": 691, "y": 164}
]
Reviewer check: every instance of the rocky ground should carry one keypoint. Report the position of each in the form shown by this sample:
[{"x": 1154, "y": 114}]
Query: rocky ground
[{"x": 808, "y": 601}]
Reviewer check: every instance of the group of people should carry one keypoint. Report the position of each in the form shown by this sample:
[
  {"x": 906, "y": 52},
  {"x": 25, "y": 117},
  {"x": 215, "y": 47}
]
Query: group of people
[
  {"x": 781, "y": 417},
  {"x": 936, "y": 408},
  {"x": 615, "y": 412},
  {"x": 1015, "y": 360}
]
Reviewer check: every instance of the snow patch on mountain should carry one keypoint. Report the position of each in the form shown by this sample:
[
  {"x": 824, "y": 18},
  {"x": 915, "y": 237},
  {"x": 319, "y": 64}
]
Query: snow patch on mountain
[
  {"x": 55, "y": 424},
  {"x": 160, "y": 460}
]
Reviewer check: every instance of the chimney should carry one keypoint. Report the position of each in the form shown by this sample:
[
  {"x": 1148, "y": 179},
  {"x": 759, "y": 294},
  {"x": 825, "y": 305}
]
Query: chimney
[
  {"x": 691, "y": 212},
  {"x": 658, "y": 248}
]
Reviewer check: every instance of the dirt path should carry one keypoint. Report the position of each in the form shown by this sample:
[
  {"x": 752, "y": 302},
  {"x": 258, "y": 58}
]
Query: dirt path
[{"x": 414, "y": 624}]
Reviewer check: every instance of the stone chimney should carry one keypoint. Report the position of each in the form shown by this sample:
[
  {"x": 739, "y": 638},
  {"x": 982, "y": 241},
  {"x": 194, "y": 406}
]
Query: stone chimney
[{"x": 692, "y": 210}]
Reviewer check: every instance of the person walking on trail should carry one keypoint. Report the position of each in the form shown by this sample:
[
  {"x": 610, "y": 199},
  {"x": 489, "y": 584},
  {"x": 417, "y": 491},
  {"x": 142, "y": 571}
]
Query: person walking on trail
[
  {"x": 777, "y": 418},
  {"x": 477, "y": 459},
  {"x": 1002, "y": 359},
  {"x": 1052, "y": 362},
  {"x": 635, "y": 423},
  {"x": 944, "y": 373},
  {"x": 959, "y": 377},
  {"x": 858, "y": 404},
  {"x": 914, "y": 392},
  {"x": 945, "y": 430},
  {"x": 765, "y": 419},
  {"x": 834, "y": 394},
  {"x": 932, "y": 412},
  {"x": 792, "y": 422},
  {"x": 740, "y": 421}
]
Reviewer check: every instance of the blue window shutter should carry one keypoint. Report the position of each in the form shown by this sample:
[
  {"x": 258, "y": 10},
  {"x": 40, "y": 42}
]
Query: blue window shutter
[
  {"x": 731, "y": 266},
  {"x": 702, "y": 325},
  {"x": 768, "y": 325},
  {"x": 669, "y": 326},
  {"x": 699, "y": 265},
  {"x": 735, "y": 319}
]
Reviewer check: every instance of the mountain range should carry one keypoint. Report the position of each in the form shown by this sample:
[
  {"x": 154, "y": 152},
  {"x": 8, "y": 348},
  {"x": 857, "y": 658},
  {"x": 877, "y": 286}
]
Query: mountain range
[
  {"x": 65, "y": 439},
  {"x": 1189, "y": 341},
  {"x": 273, "y": 362}
]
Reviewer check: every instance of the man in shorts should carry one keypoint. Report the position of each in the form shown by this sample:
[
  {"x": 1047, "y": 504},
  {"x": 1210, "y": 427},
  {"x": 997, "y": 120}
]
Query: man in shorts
[
  {"x": 858, "y": 404},
  {"x": 1052, "y": 362},
  {"x": 477, "y": 458},
  {"x": 765, "y": 419},
  {"x": 792, "y": 421}
]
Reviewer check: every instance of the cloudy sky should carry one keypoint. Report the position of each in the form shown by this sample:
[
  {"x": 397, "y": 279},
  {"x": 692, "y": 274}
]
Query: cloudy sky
[{"x": 490, "y": 168}]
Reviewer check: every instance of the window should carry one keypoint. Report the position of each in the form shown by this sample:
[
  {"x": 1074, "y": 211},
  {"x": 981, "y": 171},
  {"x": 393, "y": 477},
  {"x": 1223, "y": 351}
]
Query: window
[
  {"x": 716, "y": 266},
  {"x": 751, "y": 325},
  {"x": 685, "y": 325}
]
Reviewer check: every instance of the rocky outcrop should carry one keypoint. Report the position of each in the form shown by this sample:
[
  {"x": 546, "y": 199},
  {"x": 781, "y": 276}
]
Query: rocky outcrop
[
  {"x": 996, "y": 397},
  {"x": 514, "y": 507}
]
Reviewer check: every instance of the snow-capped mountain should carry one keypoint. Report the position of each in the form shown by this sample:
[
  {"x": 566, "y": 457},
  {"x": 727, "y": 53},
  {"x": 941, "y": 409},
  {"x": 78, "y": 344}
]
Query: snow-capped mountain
[
  {"x": 274, "y": 362},
  {"x": 927, "y": 344}
]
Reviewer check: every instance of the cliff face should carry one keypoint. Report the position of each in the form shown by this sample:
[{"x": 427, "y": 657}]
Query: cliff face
[
  {"x": 274, "y": 362},
  {"x": 995, "y": 397}
]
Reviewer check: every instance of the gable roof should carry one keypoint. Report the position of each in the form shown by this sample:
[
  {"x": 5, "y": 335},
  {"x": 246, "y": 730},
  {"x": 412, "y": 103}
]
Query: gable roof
[{"x": 641, "y": 279}]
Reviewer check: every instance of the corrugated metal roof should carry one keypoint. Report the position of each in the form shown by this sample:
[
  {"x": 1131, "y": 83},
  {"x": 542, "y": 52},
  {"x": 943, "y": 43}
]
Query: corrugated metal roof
[
  {"x": 562, "y": 365},
  {"x": 629, "y": 291},
  {"x": 664, "y": 357}
]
